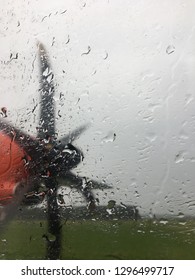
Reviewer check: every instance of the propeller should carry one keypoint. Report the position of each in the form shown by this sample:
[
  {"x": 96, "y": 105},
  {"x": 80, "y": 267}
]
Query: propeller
[
  {"x": 50, "y": 160},
  {"x": 47, "y": 111}
]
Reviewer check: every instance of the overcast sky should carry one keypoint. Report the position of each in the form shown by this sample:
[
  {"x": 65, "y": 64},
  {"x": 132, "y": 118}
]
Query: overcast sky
[{"x": 128, "y": 68}]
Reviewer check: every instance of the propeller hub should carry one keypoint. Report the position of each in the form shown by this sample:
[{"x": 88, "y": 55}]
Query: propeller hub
[{"x": 56, "y": 160}]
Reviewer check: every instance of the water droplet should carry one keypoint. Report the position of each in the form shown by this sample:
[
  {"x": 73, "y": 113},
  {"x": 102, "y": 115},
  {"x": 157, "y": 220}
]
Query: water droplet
[
  {"x": 49, "y": 78},
  {"x": 183, "y": 135},
  {"x": 189, "y": 98},
  {"x": 49, "y": 237},
  {"x": 111, "y": 204},
  {"x": 181, "y": 215},
  {"x": 179, "y": 157},
  {"x": 136, "y": 194},
  {"x": 87, "y": 52},
  {"x": 46, "y": 72},
  {"x": 164, "y": 222},
  {"x": 192, "y": 159},
  {"x": 140, "y": 231},
  {"x": 170, "y": 49},
  {"x": 182, "y": 223},
  {"x": 4, "y": 111},
  {"x": 123, "y": 205},
  {"x": 151, "y": 136},
  {"x": 111, "y": 136},
  {"x": 145, "y": 185},
  {"x": 60, "y": 199}
]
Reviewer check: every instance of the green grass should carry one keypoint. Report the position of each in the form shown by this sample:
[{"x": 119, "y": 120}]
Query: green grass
[{"x": 141, "y": 239}]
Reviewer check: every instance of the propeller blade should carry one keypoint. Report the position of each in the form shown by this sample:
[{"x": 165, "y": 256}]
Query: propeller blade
[
  {"x": 71, "y": 180},
  {"x": 73, "y": 135},
  {"x": 47, "y": 110},
  {"x": 54, "y": 220}
]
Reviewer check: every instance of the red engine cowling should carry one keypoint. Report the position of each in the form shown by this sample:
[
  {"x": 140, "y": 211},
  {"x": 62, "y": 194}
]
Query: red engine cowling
[{"x": 13, "y": 169}]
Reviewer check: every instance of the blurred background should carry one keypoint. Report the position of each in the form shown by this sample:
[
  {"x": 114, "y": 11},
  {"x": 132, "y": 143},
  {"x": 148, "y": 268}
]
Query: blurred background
[{"x": 126, "y": 68}]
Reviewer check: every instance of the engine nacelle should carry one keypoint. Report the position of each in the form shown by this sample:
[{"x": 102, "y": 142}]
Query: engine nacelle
[{"x": 13, "y": 169}]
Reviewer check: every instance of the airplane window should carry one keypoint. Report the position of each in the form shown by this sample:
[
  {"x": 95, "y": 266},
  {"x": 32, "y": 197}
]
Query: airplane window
[{"x": 97, "y": 129}]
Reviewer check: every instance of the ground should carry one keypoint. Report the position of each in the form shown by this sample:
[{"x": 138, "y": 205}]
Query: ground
[{"x": 102, "y": 239}]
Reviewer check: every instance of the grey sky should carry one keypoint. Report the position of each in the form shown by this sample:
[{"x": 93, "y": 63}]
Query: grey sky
[{"x": 137, "y": 81}]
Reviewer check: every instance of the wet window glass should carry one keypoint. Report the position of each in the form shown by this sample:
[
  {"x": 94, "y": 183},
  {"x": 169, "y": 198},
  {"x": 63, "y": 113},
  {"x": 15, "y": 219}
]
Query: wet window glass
[{"x": 97, "y": 129}]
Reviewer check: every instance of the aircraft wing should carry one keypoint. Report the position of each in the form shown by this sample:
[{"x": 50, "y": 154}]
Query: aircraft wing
[
  {"x": 99, "y": 185},
  {"x": 71, "y": 180}
]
